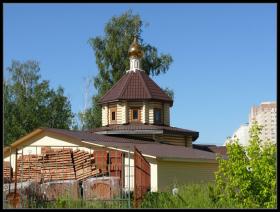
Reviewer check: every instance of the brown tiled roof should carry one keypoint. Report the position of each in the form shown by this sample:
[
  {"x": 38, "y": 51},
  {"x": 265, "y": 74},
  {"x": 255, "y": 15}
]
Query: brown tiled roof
[
  {"x": 135, "y": 86},
  {"x": 137, "y": 127},
  {"x": 149, "y": 148},
  {"x": 219, "y": 150}
]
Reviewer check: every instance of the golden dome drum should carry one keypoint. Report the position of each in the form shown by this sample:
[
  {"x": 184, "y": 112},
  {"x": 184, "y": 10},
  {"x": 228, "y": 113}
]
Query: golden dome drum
[{"x": 135, "y": 49}]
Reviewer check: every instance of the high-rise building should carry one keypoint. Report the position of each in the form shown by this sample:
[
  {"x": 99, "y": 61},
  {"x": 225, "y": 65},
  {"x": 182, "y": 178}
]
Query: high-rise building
[{"x": 266, "y": 115}]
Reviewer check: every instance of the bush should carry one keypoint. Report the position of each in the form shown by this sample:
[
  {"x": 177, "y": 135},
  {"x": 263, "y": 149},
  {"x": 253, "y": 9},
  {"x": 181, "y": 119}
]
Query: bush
[{"x": 247, "y": 178}]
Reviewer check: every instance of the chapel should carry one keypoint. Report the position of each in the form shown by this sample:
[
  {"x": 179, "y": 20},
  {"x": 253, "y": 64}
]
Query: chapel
[{"x": 136, "y": 107}]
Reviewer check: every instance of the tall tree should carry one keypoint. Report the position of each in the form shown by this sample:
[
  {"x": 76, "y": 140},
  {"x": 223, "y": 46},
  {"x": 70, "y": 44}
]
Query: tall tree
[
  {"x": 111, "y": 55},
  {"x": 30, "y": 103}
]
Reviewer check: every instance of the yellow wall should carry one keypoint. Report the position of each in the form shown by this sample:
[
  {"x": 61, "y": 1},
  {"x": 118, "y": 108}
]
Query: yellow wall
[{"x": 170, "y": 172}]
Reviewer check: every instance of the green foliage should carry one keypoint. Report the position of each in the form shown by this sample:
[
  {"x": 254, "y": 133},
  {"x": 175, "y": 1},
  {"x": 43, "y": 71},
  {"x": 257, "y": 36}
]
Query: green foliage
[
  {"x": 111, "y": 56},
  {"x": 248, "y": 177},
  {"x": 169, "y": 92},
  {"x": 91, "y": 118},
  {"x": 189, "y": 196},
  {"x": 29, "y": 103}
]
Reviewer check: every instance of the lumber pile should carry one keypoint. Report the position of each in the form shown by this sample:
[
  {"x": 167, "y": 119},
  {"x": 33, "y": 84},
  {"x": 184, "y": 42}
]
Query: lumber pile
[
  {"x": 28, "y": 168},
  {"x": 54, "y": 164},
  {"x": 57, "y": 164},
  {"x": 84, "y": 164},
  {"x": 7, "y": 172}
]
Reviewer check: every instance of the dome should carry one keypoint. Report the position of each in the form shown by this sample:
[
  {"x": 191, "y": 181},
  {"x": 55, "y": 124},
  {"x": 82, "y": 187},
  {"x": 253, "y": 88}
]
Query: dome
[{"x": 135, "y": 49}]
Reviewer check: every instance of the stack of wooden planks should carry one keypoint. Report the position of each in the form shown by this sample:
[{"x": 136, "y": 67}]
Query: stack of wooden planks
[
  {"x": 28, "y": 167},
  {"x": 54, "y": 164},
  {"x": 84, "y": 164},
  {"x": 7, "y": 172},
  {"x": 57, "y": 164}
]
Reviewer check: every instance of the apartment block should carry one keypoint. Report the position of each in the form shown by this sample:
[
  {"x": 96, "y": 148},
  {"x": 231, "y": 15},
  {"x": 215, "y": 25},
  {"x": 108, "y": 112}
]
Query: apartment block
[{"x": 266, "y": 115}]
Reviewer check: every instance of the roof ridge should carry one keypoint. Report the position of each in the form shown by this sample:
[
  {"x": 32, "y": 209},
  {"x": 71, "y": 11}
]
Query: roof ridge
[{"x": 145, "y": 86}]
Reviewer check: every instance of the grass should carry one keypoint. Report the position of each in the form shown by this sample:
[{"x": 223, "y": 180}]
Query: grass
[
  {"x": 188, "y": 196},
  {"x": 68, "y": 203},
  {"x": 71, "y": 203}
]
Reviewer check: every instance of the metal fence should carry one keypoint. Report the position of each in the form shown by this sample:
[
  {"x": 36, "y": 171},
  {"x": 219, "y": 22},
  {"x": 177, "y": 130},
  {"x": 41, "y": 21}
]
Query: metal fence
[{"x": 69, "y": 176}]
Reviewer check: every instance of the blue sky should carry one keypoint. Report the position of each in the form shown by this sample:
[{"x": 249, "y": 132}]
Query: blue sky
[{"x": 224, "y": 55}]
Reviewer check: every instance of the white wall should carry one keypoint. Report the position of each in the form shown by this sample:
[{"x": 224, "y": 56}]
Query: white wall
[
  {"x": 129, "y": 173},
  {"x": 154, "y": 177}
]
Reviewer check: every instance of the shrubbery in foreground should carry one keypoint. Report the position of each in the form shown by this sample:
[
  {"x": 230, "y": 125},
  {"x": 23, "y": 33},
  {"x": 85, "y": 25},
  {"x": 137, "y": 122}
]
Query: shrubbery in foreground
[
  {"x": 248, "y": 177},
  {"x": 188, "y": 196}
]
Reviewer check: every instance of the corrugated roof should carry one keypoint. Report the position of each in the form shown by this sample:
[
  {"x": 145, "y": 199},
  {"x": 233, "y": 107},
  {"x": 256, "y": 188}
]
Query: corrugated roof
[
  {"x": 149, "y": 148},
  {"x": 135, "y": 86},
  {"x": 134, "y": 126}
]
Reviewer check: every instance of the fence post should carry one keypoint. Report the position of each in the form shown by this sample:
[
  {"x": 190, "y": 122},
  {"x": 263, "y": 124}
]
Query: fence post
[
  {"x": 11, "y": 172},
  {"x": 129, "y": 176},
  {"x": 135, "y": 191}
]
